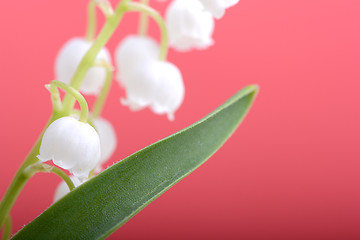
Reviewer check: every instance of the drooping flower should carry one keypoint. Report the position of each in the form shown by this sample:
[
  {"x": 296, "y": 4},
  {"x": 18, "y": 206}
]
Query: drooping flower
[
  {"x": 132, "y": 50},
  {"x": 107, "y": 136},
  {"x": 189, "y": 26},
  {"x": 62, "y": 189},
  {"x": 72, "y": 145},
  {"x": 217, "y": 7},
  {"x": 157, "y": 85},
  {"x": 68, "y": 59}
]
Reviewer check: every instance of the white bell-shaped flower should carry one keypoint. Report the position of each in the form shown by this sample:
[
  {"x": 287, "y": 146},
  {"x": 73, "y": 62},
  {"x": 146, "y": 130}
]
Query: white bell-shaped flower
[
  {"x": 157, "y": 85},
  {"x": 189, "y": 26},
  {"x": 132, "y": 50},
  {"x": 107, "y": 136},
  {"x": 217, "y": 7},
  {"x": 68, "y": 59},
  {"x": 72, "y": 145},
  {"x": 62, "y": 189}
]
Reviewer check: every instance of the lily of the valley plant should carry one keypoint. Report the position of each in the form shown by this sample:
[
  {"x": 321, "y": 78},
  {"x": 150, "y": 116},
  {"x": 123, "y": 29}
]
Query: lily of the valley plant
[{"x": 81, "y": 140}]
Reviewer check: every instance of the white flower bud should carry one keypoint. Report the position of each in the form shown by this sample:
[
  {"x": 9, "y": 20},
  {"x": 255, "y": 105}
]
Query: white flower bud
[
  {"x": 188, "y": 25},
  {"x": 68, "y": 59},
  {"x": 62, "y": 189},
  {"x": 217, "y": 7},
  {"x": 107, "y": 136},
  {"x": 132, "y": 50},
  {"x": 72, "y": 145},
  {"x": 155, "y": 84}
]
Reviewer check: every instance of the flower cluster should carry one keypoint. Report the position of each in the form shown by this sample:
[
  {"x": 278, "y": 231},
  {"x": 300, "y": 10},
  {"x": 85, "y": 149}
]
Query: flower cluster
[{"x": 82, "y": 145}]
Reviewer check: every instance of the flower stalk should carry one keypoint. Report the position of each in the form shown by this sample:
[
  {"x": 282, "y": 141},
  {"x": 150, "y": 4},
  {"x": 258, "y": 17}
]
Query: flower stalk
[
  {"x": 100, "y": 101},
  {"x": 88, "y": 60},
  {"x": 20, "y": 178},
  {"x": 91, "y": 27},
  {"x": 84, "y": 113},
  {"x": 144, "y": 9},
  {"x": 144, "y": 21},
  {"x": 41, "y": 167},
  {"x": 7, "y": 228},
  {"x": 65, "y": 107}
]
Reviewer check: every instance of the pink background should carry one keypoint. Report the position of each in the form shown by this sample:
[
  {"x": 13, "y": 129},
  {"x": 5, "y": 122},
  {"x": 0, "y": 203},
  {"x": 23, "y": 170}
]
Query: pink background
[{"x": 291, "y": 171}]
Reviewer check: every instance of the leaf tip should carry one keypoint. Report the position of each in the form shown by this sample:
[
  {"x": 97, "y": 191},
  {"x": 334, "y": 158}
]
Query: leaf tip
[{"x": 254, "y": 89}]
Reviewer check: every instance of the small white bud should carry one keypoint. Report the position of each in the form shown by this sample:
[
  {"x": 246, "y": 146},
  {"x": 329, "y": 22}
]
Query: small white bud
[
  {"x": 188, "y": 25},
  {"x": 62, "y": 189},
  {"x": 107, "y": 136},
  {"x": 68, "y": 59},
  {"x": 217, "y": 7},
  {"x": 72, "y": 145},
  {"x": 155, "y": 84}
]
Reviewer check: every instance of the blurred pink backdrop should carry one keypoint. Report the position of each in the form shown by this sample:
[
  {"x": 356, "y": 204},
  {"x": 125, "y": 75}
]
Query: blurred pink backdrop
[{"x": 291, "y": 171}]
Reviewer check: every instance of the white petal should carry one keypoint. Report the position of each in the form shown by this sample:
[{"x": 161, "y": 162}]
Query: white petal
[
  {"x": 72, "y": 145},
  {"x": 69, "y": 59},
  {"x": 171, "y": 91},
  {"x": 142, "y": 82},
  {"x": 157, "y": 85},
  {"x": 217, "y": 7},
  {"x": 188, "y": 25},
  {"x": 132, "y": 50},
  {"x": 107, "y": 136}
]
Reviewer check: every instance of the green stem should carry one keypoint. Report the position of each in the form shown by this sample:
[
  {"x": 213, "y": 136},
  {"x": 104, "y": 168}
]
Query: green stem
[
  {"x": 41, "y": 167},
  {"x": 105, "y": 7},
  {"x": 64, "y": 176},
  {"x": 20, "y": 178},
  {"x": 100, "y": 101},
  {"x": 139, "y": 7},
  {"x": 144, "y": 21},
  {"x": 84, "y": 109},
  {"x": 11, "y": 195},
  {"x": 55, "y": 97},
  {"x": 89, "y": 58},
  {"x": 86, "y": 63},
  {"x": 7, "y": 229},
  {"x": 91, "y": 27}
]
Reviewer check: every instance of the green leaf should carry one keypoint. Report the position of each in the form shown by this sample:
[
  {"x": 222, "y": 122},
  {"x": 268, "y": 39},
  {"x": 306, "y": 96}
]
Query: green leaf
[{"x": 100, "y": 206}]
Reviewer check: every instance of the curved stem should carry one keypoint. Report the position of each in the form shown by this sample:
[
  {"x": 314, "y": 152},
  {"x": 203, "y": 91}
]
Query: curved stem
[
  {"x": 64, "y": 176},
  {"x": 91, "y": 27},
  {"x": 144, "y": 21},
  {"x": 107, "y": 10},
  {"x": 87, "y": 61},
  {"x": 7, "y": 228},
  {"x": 41, "y": 167},
  {"x": 100, "y": 101},
  {"x": 105, "y": 7},
  {"x": 84, "y": 109},
  {"x": 133, "y": 6},
  {"x": 55, "y": 97}
]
